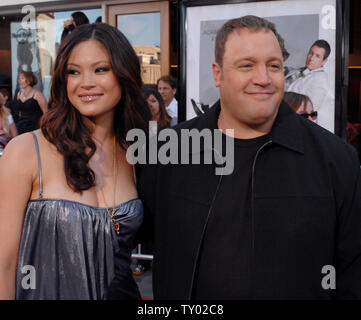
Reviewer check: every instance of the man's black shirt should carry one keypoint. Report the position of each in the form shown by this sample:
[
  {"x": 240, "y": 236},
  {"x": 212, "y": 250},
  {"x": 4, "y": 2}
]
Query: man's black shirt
[{"x": 225, "y": 260}]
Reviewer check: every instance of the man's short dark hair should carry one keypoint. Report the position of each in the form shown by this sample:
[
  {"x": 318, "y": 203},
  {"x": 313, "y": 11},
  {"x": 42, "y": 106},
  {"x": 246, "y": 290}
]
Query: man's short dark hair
[
  {"x": 249, "y": 22},
  {"x": 323, "y": 44},
  {"x": 170, "y": 80},
  {"x": 5, "y": 92}
]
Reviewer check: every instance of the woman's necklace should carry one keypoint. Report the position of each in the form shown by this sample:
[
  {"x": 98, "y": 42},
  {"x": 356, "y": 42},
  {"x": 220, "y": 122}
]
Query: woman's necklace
[
  {"x": 25, "y": 96},
  {"x": 115, "y": 174}
]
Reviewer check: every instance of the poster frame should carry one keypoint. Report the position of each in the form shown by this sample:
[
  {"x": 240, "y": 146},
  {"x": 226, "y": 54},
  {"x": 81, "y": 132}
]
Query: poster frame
[{"x": 341, "y": 56}]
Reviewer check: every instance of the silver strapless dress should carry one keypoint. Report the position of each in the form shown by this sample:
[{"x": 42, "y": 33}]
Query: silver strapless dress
[{"x": 74, "y": 252}]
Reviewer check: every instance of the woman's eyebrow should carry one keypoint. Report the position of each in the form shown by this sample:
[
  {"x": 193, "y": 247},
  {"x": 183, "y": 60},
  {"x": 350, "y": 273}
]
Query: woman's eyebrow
[{"x": 93, "y": 64}]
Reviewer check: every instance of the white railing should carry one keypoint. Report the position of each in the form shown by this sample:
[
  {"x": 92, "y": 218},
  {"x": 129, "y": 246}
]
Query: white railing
[{"x": 141, "y": 256}]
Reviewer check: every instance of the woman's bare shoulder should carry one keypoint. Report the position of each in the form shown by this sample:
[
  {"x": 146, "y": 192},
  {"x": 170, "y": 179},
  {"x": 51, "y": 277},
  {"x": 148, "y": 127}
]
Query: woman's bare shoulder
[
  {"x": 20, "y": 150},
  {"x": 38, "y": 94}
]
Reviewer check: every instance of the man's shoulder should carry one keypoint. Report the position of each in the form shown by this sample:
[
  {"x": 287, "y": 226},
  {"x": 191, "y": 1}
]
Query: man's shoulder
[
  {"x": 203, "y": 121},
  {"x": 173, "y": 103},
  {"x": 334, "y": 148},
  {"x": 172, "y": 109}
]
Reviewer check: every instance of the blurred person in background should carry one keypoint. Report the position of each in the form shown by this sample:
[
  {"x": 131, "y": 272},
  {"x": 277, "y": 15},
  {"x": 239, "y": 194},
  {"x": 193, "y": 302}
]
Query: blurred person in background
[
  {"x": 301, "y": 104},
  {"x": 7, "y": 125},
  {"x": 158, "y": 110},
  {"x": 167, "y": 88},
  {"x": 9, "y": 103},
  {"x": 160, "y": 115},
  {"x": 76, "y": 19},
  {"x": 30, "y": 103}
]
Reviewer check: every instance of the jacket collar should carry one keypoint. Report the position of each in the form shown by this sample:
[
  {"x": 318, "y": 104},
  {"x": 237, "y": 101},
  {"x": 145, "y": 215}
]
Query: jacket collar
[{"x": 286, "y": 130}]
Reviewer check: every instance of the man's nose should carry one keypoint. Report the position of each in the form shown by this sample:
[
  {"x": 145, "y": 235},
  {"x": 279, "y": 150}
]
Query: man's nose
[{"x": 261, "y": 76}]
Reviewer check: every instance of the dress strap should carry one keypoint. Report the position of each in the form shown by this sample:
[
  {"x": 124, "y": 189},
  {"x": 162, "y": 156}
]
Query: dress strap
[{"x": 39, "y": 165}]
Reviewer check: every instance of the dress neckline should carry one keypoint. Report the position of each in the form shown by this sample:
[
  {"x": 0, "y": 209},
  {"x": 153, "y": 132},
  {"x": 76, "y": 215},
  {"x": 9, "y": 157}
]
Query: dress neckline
[
  {"x": 84, "y": 204},
  {"x": 26, "y": 99},
  {"x": 32, "y": 96}
]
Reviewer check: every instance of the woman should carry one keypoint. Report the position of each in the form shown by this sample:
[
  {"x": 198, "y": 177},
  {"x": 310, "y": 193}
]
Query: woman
[
  {"x": 301, "y": 104},
  {"x": 75, "y": 194},
  {"x": 157, "y": 109},
  {"x": 77, "y": 19},
  {"x": 7, "y": 125},
  {"x": 30, "y": 103}
]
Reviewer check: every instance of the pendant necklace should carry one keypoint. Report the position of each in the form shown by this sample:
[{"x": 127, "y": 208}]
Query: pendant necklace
[{"x": 115, "y": 174}]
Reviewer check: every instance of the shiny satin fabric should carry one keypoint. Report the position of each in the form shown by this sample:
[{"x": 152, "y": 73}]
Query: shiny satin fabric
[{"x": 75, "y": 251}]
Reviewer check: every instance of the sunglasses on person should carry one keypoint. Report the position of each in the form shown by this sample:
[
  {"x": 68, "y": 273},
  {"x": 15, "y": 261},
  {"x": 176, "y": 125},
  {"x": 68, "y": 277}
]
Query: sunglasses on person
[{"x": 313, "y": 115}]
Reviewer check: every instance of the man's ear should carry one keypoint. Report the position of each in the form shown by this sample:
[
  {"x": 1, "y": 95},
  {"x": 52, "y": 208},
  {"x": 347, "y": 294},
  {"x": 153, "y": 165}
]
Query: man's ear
[
  {"x": 174, "y": 91},
  {"x": 217, "y": 73}
]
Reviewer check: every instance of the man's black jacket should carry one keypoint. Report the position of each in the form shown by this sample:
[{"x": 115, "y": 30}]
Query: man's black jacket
[{"x": 306, "y": 214}]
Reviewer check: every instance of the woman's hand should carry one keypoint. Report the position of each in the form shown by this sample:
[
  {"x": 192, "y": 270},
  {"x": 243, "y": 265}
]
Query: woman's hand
[{"x": 67, "y": 23}]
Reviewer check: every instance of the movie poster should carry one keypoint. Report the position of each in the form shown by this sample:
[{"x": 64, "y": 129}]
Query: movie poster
[
  {"x": 299, "y": 22},
  {"x": 24, "y": 54}
]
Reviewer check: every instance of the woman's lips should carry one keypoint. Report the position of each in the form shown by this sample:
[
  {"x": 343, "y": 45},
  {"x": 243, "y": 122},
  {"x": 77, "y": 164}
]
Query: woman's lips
[{"x": 90, "y": 97}]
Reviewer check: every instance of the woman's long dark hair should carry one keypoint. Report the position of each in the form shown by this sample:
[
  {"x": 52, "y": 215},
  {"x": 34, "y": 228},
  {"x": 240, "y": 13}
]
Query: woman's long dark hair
[
  {"x": 164, "y": 118},
  {"x": 65, "y": 127},
  {"x": 80, "y": 18}
]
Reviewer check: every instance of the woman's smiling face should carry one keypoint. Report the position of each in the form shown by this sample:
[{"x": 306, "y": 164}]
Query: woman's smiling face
[{"x": 92, "y": 86}]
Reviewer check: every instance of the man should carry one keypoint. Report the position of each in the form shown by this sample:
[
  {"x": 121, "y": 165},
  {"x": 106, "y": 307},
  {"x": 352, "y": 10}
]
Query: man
[
  {"x": 167, "y": 88},
  {"x": 286, "y": 218},
  {"x": 312, "y": 79}
]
